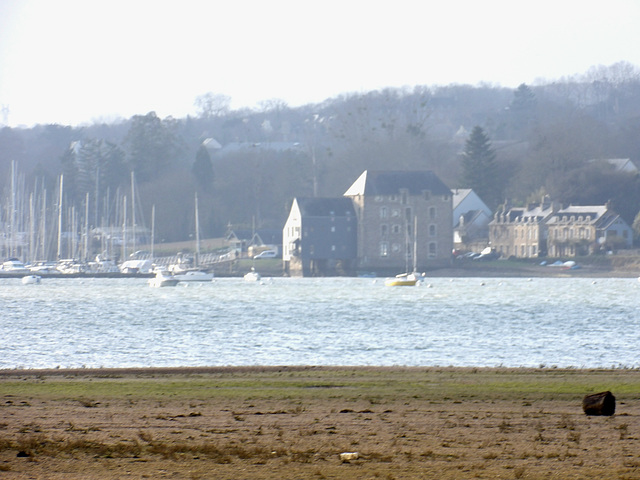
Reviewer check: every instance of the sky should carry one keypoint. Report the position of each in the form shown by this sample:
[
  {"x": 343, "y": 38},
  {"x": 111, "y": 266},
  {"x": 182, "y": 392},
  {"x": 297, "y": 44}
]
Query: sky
[{"x": 77, "y": 62}]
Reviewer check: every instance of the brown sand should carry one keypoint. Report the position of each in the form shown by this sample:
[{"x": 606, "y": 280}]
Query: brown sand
[{"x": 296, "y": 422}]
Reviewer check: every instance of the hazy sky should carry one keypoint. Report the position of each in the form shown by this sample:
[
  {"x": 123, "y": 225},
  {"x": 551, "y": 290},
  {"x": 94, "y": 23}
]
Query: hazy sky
[{"x": 79, "y": 61}]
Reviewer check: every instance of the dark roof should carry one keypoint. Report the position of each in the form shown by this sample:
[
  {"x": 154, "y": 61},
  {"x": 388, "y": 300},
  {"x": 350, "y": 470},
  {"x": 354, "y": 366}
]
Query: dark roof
[
  {"x": 391, "y": 182},
  {"x": 325, "y": 207}
]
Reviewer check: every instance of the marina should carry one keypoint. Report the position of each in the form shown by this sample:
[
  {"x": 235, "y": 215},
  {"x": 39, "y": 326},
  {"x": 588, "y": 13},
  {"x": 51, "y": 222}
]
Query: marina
[{"x": 513, "y": 322}]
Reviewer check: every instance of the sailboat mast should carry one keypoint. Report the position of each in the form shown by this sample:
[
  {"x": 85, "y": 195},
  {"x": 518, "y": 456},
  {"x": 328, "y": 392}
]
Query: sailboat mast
[
  {"x": 153, "y": 229},
  {"x": 133, "y": 210},
  {"x": 415, "y": 243},
  {"x": 197, "y": 259},
  {"x": 86, "y": 228},
  {"x": 59, "y": 252}
]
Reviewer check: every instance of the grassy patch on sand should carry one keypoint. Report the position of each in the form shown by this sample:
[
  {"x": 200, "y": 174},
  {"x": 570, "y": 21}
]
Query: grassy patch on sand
[{"x": 427, "y": 383}]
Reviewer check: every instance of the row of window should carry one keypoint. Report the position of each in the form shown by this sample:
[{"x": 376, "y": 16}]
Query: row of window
[
  {"x": 397, "y": 248},
  {"x": 408, "y": 214},
  {"x": 565, "y": 233},
  {"x": 404, "y": 197},
  {"x": 397, "y": 229}
]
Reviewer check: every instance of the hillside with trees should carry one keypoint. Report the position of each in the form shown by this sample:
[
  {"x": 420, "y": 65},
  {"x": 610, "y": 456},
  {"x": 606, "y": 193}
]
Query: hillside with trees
[{"x": 247, "y": 165}]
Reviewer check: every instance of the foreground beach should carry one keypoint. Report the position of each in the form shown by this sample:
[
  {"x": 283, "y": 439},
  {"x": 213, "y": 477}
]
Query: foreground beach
[{"x": 294, "y": 422}]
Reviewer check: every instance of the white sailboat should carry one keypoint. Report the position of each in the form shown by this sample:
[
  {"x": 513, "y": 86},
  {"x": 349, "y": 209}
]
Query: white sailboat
[
  {"x": 192, "y": 273},
  {"x": 409, "y": 278}
]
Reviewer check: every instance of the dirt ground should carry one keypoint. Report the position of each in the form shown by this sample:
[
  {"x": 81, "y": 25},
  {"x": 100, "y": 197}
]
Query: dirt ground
[{"x": 301, "y": 432}]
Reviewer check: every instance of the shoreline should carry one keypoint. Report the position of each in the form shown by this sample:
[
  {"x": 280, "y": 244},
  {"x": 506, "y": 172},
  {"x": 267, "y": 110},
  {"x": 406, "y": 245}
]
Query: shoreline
[{"x": 271, "y": 369}]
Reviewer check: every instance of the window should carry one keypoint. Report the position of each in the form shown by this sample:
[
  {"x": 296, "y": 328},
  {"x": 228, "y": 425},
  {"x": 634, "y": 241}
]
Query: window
[
  {"x": 384, "y": 249},
  {"x": 432, "y": 213},
  {"x": 432, "y": 250},
  {"x": 383, "y": 212},
  {"x": 395, "y": 229},
  {"x": 427, "y": 195},
  {"x": 407, "y": 214},
  {"x": 384, "y": 229},
  {"x": 432, "y": 230}
]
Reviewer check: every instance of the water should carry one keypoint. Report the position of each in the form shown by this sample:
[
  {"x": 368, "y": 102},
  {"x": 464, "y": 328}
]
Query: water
[{"x": 564, "y": 322}]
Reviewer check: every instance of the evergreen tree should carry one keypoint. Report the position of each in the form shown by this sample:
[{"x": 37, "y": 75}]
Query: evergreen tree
[
  {"x": 202, "y": 170},
  {"x": 479, "y": 169}
]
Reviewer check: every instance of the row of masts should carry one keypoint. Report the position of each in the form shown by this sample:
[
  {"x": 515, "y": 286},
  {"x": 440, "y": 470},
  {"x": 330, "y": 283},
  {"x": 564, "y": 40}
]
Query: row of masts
[{"x": 34, "y": 229}]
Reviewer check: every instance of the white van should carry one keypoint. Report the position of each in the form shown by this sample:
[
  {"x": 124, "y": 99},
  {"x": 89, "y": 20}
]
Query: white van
[{"x": 267, "y": 254}]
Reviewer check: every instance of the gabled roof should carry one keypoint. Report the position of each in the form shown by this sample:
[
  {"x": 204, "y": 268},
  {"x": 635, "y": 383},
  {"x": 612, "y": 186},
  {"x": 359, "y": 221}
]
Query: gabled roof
[
  {"x": 325, "y": 207},
  {"x": 459, "y": 194},
  {"x": 391, "y": 182},
  {"x": 619, "y": 164}
]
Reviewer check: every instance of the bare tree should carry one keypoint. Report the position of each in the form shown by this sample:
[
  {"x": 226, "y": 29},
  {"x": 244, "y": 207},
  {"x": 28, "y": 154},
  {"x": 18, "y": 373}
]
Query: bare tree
[{"x": 212, "y": 105}]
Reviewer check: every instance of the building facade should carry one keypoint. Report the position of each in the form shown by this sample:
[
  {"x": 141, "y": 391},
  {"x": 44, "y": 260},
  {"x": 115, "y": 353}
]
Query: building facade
[
  {"x": 404, "y": 217},
  {"x": 521, "y": 232},
  {"x": 584, "y": 230},
  {"x": 320, "y": 237}
]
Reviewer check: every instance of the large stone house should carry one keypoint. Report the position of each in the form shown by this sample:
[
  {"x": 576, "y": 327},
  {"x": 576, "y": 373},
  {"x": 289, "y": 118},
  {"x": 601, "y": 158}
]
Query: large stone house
[
  {"x": 319, "y": 237},
  {"x": 403, "y": 217},
  {"x": 584, "y": 230},
  {"x": 521, "y": 232}
]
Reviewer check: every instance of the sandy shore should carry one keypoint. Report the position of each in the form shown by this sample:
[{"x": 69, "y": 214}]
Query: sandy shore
[{"x": 295, "y": 422}]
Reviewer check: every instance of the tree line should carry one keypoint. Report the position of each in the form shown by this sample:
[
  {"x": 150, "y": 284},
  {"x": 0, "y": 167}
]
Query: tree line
[{"x": 247, "y": 165}]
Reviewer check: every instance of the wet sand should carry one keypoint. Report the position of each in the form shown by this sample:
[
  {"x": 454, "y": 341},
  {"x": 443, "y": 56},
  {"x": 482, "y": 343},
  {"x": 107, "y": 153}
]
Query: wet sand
[{"x": 295, "y": 422}]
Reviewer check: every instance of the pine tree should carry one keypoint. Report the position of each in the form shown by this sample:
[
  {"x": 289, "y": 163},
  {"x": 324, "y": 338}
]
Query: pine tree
[
  {"x": 479, "y": 169},
  {"x": 202, "y": 170}
]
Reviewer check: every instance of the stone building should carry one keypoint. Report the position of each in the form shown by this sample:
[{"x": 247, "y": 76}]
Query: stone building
[
  {"x": 584, "y": 230},
  {"x": 404, "y": 217},
  {"x": 521, "y": 231}
]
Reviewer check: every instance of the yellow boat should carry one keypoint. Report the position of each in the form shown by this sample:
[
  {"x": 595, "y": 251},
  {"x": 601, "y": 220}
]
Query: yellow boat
[{"x": 402, "y": 280}]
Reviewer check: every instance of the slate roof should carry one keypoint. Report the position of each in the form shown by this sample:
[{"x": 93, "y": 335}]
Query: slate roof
[
  {"x": 325, "y": 207},
  {"x": 592, "y": 213},
  {"x": 391, "y": 182}
]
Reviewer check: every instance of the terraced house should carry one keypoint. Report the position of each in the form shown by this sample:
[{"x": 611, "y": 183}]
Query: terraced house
[
  {"x": 584, "y": 230},
  {"x": 545, "y": 229},
  {"x": 521, "y": 231}
]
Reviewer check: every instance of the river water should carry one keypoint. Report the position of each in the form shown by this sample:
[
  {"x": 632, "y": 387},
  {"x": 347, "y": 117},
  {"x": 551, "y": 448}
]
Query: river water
[{"x": 563, "y": 322}]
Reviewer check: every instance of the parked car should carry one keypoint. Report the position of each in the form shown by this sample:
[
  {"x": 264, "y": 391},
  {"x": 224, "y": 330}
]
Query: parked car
[{"x": 267, "y": 254}]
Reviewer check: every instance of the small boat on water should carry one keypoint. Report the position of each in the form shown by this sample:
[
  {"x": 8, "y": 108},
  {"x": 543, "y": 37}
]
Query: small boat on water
[
  {"x": 408, "y": 279},
  {"x": 193, "y": 276},
  {"x": 252, "y": 276},
  {"x": 163, "y": 279},
  {"x": 402, "y": 280},
  {"x": 31, "y": 279}
]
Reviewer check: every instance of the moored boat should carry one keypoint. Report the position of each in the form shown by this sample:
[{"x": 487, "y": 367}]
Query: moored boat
[
  {"x": 193, "y": 276},
  {"x": 31, "y": 279},
  {"x": 14, "y": 266},
  {"x": 163, "y": 279},
  {"x": 252, "y": 276},
  {"x": 402, "y": 280}
]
